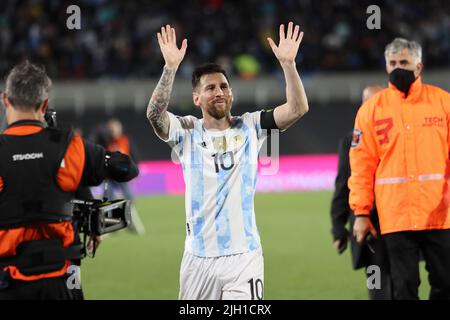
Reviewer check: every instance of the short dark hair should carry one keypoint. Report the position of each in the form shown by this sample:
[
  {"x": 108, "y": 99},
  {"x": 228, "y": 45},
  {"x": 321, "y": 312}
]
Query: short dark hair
[
  {"x": 27, "y": 86},
  {"x": 206, "y": 68}
]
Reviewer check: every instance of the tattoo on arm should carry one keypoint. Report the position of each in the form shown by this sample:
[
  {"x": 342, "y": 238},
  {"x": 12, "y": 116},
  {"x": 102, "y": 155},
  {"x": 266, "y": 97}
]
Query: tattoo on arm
[{"x": 157, "y": 106}]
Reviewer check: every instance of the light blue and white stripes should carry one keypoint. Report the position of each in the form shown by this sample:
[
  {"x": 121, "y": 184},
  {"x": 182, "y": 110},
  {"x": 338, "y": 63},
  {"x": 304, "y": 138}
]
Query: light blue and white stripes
[{"x": 220, "y": 185}]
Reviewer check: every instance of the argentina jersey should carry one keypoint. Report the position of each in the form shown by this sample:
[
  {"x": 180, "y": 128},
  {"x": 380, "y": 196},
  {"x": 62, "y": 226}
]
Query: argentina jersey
[{"x": 220, "y": 171}]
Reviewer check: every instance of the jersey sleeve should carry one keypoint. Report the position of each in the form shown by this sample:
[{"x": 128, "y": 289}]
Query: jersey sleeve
[
  {"x": 268, "y": 120},
  {"x": 363, "y": 163},
  {"x": 253, "y": 120},
  {"x": 178, "y": 128}
]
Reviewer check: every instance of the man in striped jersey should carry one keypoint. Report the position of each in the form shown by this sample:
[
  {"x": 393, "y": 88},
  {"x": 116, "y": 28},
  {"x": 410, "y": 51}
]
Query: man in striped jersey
[{"x": 223, "y": 257}]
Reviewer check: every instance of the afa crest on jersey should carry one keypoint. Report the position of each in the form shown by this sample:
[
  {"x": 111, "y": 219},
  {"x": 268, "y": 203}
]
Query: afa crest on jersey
[
  {"x": 238, "y": 139},
  {"x": 356, "y": 137}
]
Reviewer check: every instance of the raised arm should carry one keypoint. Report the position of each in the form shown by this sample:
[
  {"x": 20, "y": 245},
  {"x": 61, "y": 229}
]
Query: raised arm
[
  {"x": 157, "y": 106},
  {"x": 286, "y": 51}
]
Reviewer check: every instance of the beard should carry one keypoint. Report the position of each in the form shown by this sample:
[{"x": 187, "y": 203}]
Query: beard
[{"x": 219, "y": 112}]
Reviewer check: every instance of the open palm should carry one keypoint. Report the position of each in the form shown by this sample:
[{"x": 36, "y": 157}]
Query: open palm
[
  {"x": 287, "y": 49},
  {"x": 168, "y": 44}
]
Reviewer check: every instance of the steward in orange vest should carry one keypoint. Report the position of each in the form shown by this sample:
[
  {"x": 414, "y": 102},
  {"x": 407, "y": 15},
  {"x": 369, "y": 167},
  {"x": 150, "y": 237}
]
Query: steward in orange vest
[{"x": 400, "y": 157}]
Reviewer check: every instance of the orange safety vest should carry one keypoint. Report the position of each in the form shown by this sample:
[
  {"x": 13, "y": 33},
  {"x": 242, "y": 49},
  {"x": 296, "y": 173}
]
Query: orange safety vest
[
  {"x": 68, "y": 178},
  {"x": 400, "y": 150}
]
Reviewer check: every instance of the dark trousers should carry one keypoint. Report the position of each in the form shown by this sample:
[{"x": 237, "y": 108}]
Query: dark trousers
[
  {"x": 404, "y": 254},
  {"x": 380, "y": 259},
  {"x": 44, "y": 289}
]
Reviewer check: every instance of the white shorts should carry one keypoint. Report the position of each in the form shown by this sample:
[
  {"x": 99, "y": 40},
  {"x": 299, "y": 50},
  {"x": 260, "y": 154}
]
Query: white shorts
[{"x": 234, "y": 277}]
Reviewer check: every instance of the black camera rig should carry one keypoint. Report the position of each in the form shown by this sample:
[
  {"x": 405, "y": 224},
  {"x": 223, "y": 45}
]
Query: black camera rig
[
  {"x": 96, "y": 217},
  {"x": 90, "y": 217}
]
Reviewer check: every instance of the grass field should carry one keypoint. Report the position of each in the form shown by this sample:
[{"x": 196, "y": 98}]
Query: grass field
[{"x": 300, "y": 260}]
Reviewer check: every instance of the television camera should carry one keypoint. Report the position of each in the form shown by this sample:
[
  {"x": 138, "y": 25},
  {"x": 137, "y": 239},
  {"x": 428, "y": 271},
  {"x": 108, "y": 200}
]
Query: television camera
[{"x": 95, "y": 217}]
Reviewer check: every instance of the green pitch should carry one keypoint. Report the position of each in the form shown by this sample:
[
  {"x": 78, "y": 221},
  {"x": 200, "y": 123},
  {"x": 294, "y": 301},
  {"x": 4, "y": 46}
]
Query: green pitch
[{"x": 300, "y": 260}]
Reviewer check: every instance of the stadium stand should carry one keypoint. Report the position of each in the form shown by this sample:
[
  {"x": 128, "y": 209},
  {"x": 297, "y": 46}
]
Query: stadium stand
[{"x": 117, "y": 38}]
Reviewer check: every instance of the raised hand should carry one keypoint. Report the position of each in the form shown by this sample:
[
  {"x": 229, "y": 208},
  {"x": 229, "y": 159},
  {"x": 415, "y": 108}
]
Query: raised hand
[
  {"x": 286, "y": 51},
  {"x": 168, "y": 44}
]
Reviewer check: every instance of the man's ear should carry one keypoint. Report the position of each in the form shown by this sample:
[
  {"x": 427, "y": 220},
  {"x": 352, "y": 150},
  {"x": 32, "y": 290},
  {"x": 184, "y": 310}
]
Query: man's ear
[
  {"x": 5, "y": 101},
  {"x": 44, "y": 106},
  {"x": 419, "y": 69},
  {"x": 196, "y": 98}
]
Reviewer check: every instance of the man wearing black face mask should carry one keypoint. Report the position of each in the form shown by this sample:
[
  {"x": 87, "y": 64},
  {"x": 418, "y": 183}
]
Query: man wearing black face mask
[{"x": 400, "y": 155}]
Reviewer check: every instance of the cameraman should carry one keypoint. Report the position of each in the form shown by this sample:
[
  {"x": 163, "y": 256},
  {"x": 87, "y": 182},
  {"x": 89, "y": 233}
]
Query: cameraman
[{"x": 40, "y": 170}]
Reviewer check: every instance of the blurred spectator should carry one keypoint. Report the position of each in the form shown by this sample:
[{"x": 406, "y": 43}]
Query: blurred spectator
[
  {"x": 117, "y": 37},
  {"x": 119, "y": 141},
  {"x": 247, "y": 66}
]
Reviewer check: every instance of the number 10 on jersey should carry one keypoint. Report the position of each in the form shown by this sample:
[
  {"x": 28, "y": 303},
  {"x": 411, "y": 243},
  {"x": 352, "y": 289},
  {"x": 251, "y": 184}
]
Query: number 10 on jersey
[{"x": 223, "y": 160}]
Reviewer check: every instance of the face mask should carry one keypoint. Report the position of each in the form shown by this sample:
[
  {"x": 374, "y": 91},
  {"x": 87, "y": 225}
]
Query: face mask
[{"x": 402, "y": 79}]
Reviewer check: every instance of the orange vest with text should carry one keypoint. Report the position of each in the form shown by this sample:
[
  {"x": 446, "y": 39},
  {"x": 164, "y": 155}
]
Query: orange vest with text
[{"x": 400, "y": 155}]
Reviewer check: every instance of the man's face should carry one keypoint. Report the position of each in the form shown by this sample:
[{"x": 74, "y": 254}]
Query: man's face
[
  {"x": 213, "y": 95},
  {"x": 402, "y": 60},
  {"x": 115, "y": 128}
]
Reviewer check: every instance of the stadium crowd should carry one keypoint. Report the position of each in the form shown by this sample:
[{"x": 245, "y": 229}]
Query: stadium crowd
[{"x": 117, "y": 37}]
